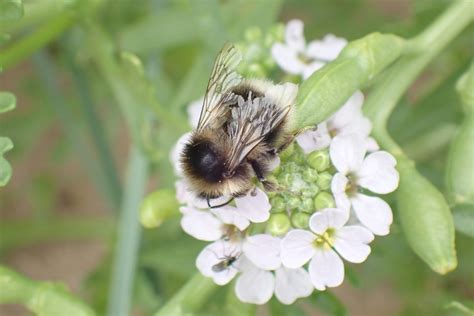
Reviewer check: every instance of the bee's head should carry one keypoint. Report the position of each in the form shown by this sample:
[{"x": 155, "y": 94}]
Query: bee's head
[{"x": 204, "y": 165}]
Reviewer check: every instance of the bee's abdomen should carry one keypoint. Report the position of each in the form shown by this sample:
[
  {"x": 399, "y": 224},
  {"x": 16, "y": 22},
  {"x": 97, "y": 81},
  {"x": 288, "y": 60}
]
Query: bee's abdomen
[{"x": 204, "y": 161}]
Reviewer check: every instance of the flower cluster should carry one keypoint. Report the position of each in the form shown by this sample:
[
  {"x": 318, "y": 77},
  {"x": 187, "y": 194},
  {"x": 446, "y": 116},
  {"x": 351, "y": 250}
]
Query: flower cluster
[{"x": 290, "y": 242}]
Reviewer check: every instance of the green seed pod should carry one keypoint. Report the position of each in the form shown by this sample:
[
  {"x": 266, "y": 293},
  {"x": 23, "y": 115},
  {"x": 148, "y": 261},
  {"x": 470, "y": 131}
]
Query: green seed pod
[
  {"x": 278, "y": 204},
  {"x": 278, "y": 224},
  {"x": 157, "y": 207},
  {"x": 300, "y": 220},
  {"x": 319, "y": 160},
  {"x": 293, "y": 203},
  {"x": 324, "y": 180},
  {"x": 459, "y": 169},
  {"x": 425, "y": 218},
  {"x": 327, "y": 89},
  {"x": 310, "y": 191},
  {"x": 323, "y": 200},
  {"x": 310, "y": 175},
  {"x": 307, "y": 205}
]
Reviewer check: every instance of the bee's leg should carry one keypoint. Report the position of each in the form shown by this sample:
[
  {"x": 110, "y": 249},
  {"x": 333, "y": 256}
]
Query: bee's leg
[
  {"x": 219, "y": 205},
  {"x": 259, "y": 173},
  {"x": 286, "y": 142}
]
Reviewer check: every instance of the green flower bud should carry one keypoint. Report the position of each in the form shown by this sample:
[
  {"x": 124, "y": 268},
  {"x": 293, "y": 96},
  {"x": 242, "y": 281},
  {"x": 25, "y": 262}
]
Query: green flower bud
[
  {"x": 157, "y": 207},
  {"x": 256, "y": 70},
  {"x": 425, "y": 218},
  {"x": 278, "y": 224},
  {"x": 307, "y": 205},
  {"x": 323, "y": 200},
  {"x": 300, "y": 220},
  {"x": 310, "y": 175},
  {"x": 324, "y": 180},
  {"x": 310, "y": 191},
  {"x": 319, "y": 160},
  {"x": 278, "y": 204},
  {"x": 293, "y": 203}
]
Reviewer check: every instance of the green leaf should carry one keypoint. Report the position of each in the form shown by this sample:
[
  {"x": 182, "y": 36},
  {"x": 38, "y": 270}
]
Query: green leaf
[
  {"x": 328, "y": 303},
  {"x": 7, "y": 101},
  {"x": 10, "y": 10},
  {"x": 463, "y": 216},
  {"x": 5, "y": 167},
  {"x": 459, "y": 309}
]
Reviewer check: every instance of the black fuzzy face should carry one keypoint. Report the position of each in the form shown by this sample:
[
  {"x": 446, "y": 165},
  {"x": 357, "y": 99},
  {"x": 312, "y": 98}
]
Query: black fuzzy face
[{"x": 204, "y": 161}]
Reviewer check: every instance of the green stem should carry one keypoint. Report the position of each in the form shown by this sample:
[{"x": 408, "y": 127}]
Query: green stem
[
  {"x": 42, "y": 298},
  {"x": 191, "y": 297},
  {"x": 129, "y": 232},
  {"x": 32, "y": 42},
  {"x": 388, "y": 91},
  {"x": 20, "y": 233}
]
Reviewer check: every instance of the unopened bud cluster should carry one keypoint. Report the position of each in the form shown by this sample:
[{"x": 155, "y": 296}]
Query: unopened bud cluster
[{"x": 304, "y": 187}]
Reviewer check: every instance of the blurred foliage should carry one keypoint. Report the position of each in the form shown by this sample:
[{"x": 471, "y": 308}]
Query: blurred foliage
[{"x": 98, "y": 73}]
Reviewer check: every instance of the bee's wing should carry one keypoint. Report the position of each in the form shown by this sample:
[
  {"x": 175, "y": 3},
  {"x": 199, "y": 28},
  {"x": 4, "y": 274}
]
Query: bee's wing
[
  {"x": 251, "y": 121},
  {"x": 218, "y": 97}
]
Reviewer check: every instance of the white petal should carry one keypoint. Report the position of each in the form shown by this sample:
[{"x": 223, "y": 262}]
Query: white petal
[
  {"x": 359, "y": 125},
  {"x": 327, "y": 49},
  {"x": 297, "y": 248},
  {"x": 294, "y": 36},
  {"x": 213, "y": 255},
  {"x": 350, "y": 109},
  {"x": 182, "y": 191},
  {"x": 255, "y": 206},
  {"x": 201, "y": 225},
  {"x": 230, "y": 215},
  {"x": 287, "y": 59},
  {"x": 272, "y": 164},
  {"x": 263, "y": 250},
  {"x": 326, "y": 269},
  {"x": 373, "y": 212},
  {"x": 351, "y": 243},
  {"x": 255, "y": 286},
  {"x": 327, "y": 218},
  {"x": 201, "y": 203},
  {"x": 175, "y": 154},
  {"x": 291, "y": 284},
  {"x": 311, "y": 68},
  {"x": 372, "y": 145},
  {"x": 194, "y": 111},
  {"x": 347, "y": 152},
  {"x": 378, "y": 173},
  {"x": 338, "y": 188},
  {"x": 312, "y": 140}
]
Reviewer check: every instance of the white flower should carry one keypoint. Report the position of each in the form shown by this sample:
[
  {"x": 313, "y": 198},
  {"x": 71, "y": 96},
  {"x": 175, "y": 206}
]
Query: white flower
[
  {"x": 263, "y": 274},
  {"x": 295, "y": 57},
  {"x": 347, "y": 120},
  {"x": 220, "y": 261},
  {"x": 328, "y": 235},
  {"x": 376, "y": 173},
  {"x": 194, "y": 111}
]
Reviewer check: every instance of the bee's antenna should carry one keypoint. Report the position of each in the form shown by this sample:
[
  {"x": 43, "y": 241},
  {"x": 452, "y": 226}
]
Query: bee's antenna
[{"x": 219, "y": 205}]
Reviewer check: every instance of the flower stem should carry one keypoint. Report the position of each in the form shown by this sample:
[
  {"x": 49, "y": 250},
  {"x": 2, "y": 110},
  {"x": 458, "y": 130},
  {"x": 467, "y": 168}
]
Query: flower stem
[
  {"x": 191, "y": 297},
  {"x": 42, "y": 298},
  {"x": 129, "y": 232}
]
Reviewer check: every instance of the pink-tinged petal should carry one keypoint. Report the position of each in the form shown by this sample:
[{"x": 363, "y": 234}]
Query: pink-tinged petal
[
  {"x": 347, "y": 152},
  {"x": 373, "y": 212},
  {"x": 311, "y": 68},
  {"x": 359, "y": 125},
  {"x": 230, "y": 215},
  {"x": 327, "y": 49},
  {"x": 378, "y": 173},
  {"x": 255, "y": 286},
  {"x": 352, "y": 108},
  {"x": 201, "y": 225},
  {"x": 312, "y": 140},
  {"x": 182, "y": 192},
  {"x": 326, "y": 269},
  {"x": 338, "y": 188},
  {"x": 291, "y": 284},
  {"x": 255, "y": 206},
  {"x": 175, "y": 154},
  {"x": 294, "y": 36},
  {"x": 287, "y": 59},
  {"x": 194, "y": 111},
  {"x": 297, "y": 247},
  {"x": 327, "y": 218},
  {"x": 351, "y": 242},
  {"x": 210, "y": 258},
  {"x": 263, "y": 250}
]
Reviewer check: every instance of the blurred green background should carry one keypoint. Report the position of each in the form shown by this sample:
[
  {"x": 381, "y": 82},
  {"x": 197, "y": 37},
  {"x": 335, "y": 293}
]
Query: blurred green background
[{"x": 94, "y": 79}]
